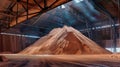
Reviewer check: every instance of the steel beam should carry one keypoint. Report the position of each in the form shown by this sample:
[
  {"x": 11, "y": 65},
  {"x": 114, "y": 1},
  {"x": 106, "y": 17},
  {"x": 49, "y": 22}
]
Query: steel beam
[
  {"x": 27, "y": 9},
  {"x": 38, "y": 4},
  {"x": 45, "y": 4},
  {"x": 33, "y": 10},
  {"x": 7, "y": 15}
]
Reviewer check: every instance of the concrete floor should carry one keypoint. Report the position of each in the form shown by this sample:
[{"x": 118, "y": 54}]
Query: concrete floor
[{"x": 19, "y": 60}]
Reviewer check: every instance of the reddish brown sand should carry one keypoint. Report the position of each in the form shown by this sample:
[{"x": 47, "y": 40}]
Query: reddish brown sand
[
  {"x": 62, "y": 47},
  {"x": 62, "y": 41}
]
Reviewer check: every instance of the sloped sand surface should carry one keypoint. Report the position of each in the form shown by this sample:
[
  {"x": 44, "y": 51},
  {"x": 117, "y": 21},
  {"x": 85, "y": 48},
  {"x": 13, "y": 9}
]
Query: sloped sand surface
[
  {"x": 62, "y": 41},
  {"x": 62, "y": 47}
]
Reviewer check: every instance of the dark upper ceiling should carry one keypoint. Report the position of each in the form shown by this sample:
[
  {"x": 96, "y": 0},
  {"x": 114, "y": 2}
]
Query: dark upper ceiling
[
  {"x": 16, "y": 10},
  {"x": 75, "y": 13}
]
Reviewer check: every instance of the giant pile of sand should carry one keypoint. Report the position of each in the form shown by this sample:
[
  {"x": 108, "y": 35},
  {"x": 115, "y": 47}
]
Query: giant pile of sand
[{"x": 63, "y": 41}]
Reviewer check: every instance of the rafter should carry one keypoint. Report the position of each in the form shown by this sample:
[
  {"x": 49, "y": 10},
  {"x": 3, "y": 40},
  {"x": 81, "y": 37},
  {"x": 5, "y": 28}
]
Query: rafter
[
  {"x": 5, "y": 14},
  {"x": 38, "y": 4},
  {"x": 33, "y": 10}
]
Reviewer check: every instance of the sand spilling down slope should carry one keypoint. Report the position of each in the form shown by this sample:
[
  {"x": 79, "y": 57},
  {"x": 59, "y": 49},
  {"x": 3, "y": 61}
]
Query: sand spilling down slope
[{"x": 64, "y": 40}]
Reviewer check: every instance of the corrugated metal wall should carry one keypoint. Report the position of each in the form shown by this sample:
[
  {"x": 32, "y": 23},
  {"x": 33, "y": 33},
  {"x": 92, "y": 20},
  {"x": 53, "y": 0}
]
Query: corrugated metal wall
[{"x": 14, "y": 44}]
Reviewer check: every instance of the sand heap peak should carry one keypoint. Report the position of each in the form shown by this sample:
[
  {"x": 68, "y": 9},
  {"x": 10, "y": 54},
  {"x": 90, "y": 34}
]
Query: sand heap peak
[{"x": 66, "y": 40}]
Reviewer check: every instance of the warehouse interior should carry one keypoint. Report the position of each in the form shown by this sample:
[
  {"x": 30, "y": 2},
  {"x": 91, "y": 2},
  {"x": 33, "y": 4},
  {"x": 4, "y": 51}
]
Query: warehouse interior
[{"x": 25, "y": 24}]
